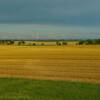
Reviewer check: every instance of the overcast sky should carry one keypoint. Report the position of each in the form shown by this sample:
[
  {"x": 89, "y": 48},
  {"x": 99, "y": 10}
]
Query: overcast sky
[{"x": 72, "y": 18}]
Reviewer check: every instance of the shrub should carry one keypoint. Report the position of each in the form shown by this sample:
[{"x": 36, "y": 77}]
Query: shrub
[
  {"x": 64, "y": 43},
  {"x": 81, "y": 42},
  {"x": 89, "y": 42},
  {"x": 34, "y": 44},
  {"x": 58, "y": 43}
]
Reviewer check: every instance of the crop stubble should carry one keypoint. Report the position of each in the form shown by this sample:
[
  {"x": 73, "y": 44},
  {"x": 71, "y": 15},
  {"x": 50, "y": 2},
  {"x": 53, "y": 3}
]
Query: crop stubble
[{"x": 70, "y": 63}]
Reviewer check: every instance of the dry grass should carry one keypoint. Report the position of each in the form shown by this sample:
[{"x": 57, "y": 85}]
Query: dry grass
[{"x": 72, "y": 63}]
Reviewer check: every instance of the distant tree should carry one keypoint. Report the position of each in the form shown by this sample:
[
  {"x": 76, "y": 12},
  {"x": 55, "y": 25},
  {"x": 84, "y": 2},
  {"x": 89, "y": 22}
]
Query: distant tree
[
  {"x": 81, "y": 42},
  {"x": 64, "y": 43},
  {"x": 58, "y": 43},
  {"x": 89, "y": 42},
  {"x": 97, "y": 41},
  {"x": 22, "y": 42},
  {"x": 6, "y": 42},
  {"x": 34, "y": 44},
  {"x": 9, "y": 42},
  {"x": 1, "y": 41},
  {"x": 42, "y": 44}
]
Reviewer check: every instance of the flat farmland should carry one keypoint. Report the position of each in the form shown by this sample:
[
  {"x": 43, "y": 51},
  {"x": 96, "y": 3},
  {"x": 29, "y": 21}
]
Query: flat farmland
[{"x": 68, "y": 63}]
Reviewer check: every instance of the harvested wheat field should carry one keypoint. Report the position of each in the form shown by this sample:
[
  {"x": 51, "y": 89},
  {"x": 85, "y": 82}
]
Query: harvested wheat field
[{"x": 70, "y": 63}]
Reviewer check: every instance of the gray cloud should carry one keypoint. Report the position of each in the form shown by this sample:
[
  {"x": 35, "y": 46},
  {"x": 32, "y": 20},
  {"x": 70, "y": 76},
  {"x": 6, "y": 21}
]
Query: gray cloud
[{"x": 69, "y": 12}]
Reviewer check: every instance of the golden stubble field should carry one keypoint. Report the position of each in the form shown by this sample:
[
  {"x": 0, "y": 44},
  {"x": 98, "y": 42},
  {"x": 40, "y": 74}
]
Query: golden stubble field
[{"x": 70, "y": 63}]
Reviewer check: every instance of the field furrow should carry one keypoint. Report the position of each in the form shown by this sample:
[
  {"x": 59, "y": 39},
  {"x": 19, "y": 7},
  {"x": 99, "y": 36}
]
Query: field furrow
[{"x": 55, "y": 63}]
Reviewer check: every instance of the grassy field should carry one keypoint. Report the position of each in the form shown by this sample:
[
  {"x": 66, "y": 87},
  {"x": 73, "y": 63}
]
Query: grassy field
[
  {"x": 23, "y": 89},
  {"x": 70, "y": 63}
]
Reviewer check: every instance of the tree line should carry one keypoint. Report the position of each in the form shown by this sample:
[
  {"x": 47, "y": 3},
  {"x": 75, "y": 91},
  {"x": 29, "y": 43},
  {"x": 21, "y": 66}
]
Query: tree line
[
  {"x": 89, "y": 41},
  {"x": 23, "y": 42},
  {"x": 57, "y": 42},
  {"x": 11, "y": 42}
]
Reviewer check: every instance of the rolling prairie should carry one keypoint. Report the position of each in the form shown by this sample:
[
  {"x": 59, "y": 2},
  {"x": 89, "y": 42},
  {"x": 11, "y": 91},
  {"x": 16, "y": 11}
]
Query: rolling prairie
[{"x": 68, "y": 63}]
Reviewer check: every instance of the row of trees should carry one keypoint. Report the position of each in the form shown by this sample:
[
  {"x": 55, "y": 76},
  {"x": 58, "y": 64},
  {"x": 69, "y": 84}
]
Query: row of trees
[
  {"x": 23, "y": 42},
  {"x": 61, "y": 43},
  {"x": 7, "y": 42},
  {"x": 11, "y": 42},
  {"x": 89, "y": 42},
  {"x": 58, "y": 43}
]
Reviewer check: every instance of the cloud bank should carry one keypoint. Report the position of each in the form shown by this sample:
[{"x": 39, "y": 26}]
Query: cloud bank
[
  {"x": 65, "y": 18},
  {"x": 68, "y": 12}
]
